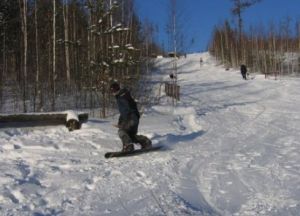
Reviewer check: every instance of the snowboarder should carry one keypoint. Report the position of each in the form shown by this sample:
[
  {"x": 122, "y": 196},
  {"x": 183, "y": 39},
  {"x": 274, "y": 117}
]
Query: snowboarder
[
  {"x": 128, "y": 120},
  {"x": 244, "y": 71}
]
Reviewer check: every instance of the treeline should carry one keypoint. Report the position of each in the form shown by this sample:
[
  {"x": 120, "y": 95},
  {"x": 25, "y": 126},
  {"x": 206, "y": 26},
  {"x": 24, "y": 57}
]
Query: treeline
[
  {"x": 62, "y": 54},
  {"x": 270, "y": 50}
]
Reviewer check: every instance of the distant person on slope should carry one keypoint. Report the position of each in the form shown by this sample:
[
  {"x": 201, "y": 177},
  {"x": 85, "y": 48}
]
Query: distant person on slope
[
  {"x": 244, "y": 71},
  {"x": 201, "y": 62},
  {"x": 129, "y": 119}
]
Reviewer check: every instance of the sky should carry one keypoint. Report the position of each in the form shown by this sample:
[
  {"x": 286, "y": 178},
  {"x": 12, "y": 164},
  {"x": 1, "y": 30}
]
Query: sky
[{"x": 199, "y": 17}]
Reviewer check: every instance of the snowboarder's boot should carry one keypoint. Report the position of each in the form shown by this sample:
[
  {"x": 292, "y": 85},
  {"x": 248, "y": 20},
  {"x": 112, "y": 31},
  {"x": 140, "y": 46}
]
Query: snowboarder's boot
[
  {"x": 128, "y": 148},
  {"x": 147, "y": 145},
  {"x": 143, "y": 141},
  {"x": 126, "y": 140}
]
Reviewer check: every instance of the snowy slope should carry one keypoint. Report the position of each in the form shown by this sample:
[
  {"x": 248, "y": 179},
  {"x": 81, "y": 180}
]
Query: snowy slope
[{"x": 232, "y": 148}]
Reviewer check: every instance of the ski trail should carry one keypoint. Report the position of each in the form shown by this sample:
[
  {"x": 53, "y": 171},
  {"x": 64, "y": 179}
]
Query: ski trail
[{"x": 232, "y": 148}]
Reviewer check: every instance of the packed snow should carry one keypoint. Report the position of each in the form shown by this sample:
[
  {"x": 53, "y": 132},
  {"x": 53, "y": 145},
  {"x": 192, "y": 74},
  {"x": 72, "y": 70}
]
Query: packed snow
[{"x": 231, "y": 147}]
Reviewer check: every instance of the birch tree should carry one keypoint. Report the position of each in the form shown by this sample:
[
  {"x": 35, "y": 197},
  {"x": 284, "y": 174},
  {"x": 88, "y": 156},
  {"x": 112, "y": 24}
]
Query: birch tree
[
  {"x": 54, "y": 75},
  {"x": 37, "y": 60},
  {"x": 3, "y": 71},
  {"x": 67, "y": 40},
  {"x": 23, "y": 9}
]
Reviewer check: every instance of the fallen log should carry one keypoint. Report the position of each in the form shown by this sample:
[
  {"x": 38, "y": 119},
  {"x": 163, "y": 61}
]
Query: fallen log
[{"x": 72, "y": 120}]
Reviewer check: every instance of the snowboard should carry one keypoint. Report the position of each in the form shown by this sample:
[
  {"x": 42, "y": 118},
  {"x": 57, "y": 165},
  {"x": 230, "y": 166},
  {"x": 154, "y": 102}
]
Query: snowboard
[{"x": 132, "y": 153}]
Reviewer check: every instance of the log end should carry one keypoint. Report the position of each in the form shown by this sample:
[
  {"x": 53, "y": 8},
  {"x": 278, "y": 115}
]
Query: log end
[{"x": 73, "y": 124}]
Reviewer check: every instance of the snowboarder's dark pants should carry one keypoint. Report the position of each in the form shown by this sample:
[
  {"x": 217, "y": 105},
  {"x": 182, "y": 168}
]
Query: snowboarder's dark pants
[
  {"x": 244, "y": 75},
  {"x": 128, "y": 133}
]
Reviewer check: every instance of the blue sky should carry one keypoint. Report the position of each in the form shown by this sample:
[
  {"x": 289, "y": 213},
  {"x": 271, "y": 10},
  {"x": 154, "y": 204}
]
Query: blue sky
[{"x": 199, "y": 17}]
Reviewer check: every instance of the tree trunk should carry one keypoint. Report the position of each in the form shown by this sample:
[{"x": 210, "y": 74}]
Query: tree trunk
[
  {"x": 54, "y": 56},
  {"x": 23, "y": 9},
  {"x": 75, "y": 47},
  {"x": 67, "y": 42},
  {"x": 37, "y": 76},
  {"x": 4, "y": 66}
]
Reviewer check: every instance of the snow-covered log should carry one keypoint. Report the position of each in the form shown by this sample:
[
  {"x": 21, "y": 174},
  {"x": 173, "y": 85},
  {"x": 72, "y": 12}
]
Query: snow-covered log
[{"x": 72, "y": 120}]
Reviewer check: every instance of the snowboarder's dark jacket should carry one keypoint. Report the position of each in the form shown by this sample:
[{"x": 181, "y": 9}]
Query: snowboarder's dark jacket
[{"x": 127, "y": 107}]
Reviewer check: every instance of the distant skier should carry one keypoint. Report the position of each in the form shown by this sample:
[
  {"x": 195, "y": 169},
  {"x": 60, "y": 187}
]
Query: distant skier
[
  {"x": 129, "y": 119},
  {"x": 244, "y": 71},
  {"x": 201, "y": 62}
]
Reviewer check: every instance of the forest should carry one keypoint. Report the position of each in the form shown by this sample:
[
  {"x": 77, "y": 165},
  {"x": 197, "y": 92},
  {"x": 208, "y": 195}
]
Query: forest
[{"x": 62, "y": 54}]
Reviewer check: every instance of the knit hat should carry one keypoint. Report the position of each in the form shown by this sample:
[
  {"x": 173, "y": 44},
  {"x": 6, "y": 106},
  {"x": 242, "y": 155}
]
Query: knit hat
[{"x": 114, "y": 87}]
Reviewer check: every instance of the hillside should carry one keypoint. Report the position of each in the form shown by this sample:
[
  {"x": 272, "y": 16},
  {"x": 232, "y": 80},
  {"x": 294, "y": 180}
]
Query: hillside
[{"x": 232, "y": 148}]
